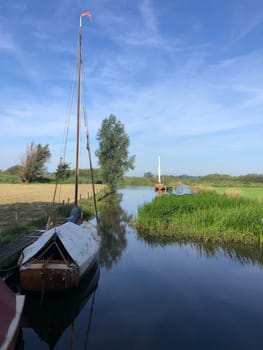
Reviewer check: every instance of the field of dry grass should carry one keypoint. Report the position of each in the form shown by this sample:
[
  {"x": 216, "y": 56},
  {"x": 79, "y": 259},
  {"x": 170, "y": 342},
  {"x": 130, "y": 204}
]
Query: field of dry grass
[
  {"x": 30, "y": 193},
  {"x": 23, "y": 202}
]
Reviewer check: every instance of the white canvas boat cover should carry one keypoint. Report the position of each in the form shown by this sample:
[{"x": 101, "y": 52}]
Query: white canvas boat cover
[
  {"x": 181, "y": 190},
  {"x": 78, "y": 241}
]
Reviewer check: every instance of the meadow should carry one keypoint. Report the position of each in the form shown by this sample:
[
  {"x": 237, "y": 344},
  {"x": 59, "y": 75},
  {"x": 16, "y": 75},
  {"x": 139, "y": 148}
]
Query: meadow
[
  {"x": 25, "y": 207},
  {"x": 253, "y": 192},
  {"x": 214, "y": 213}
]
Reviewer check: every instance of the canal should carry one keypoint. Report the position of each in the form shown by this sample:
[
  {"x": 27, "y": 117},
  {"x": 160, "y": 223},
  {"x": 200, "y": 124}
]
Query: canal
[{"x": 152, "y": 295}]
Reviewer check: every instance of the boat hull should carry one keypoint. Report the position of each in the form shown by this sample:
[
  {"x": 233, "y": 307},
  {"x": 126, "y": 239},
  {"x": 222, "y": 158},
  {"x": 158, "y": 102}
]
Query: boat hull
[
  {"x": 58, "y": 259},
  {"x": 11, "y": 308},
  {"x": 54, "y": 275},
  {"x": 159, "y": 187}
]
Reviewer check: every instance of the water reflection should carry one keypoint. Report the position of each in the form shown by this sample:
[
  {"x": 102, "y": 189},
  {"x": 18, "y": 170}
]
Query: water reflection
[
  {"x": 113, "y": 222},
  {"x": 243, "y": 254},
  {"x": 171, "y": 294},
  {"x": 50, "y": 317}
]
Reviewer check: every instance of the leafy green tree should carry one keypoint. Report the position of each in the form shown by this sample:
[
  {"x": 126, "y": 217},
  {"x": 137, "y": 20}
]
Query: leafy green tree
[
  {"x": 148, "y": 175},
  {"x": 14, "y": 170},
  {"x": 63, "y": 171},
  {"x": 33, "y": 162},
  {"x": 113, "y": 154}
]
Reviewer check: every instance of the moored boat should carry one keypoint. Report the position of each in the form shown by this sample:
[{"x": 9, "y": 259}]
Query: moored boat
[
  {"x": 62, "y": 255},
  {"x": 182, "y": 190},
  {"x": 11, "y": 307},
  {"x": 159, "y": 187},
  {"x": 59, "y": 259}
]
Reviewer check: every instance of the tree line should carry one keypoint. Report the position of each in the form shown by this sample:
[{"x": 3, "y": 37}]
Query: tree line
[{"x": 113, "y": 159}]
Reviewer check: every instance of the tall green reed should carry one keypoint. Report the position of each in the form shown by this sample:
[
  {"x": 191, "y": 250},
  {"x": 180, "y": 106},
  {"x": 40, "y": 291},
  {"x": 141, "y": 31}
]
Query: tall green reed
[{"x": 204, "y": 216}]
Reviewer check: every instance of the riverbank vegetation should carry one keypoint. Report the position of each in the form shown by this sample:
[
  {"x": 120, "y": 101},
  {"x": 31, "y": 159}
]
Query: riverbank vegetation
[
  {"x": 208, "y": 219},
  {"x": 36, "y": 219},
  {"x": 205, "y": 216}
]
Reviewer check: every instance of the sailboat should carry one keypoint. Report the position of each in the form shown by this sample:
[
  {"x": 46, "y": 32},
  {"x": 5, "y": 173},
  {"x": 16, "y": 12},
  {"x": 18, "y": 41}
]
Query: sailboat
[
  {"x": 159, "y": 186},
  {"x": 64, "y": 254}
]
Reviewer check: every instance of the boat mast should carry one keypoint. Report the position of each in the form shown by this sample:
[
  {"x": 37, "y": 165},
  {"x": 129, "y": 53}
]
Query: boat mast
[
  {"x": 159, "y": 170},
  {"x": 85, "y": 13}
]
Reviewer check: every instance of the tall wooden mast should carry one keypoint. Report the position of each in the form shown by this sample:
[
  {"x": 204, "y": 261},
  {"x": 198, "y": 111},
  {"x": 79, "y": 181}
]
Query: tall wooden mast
[
  {"x": 78, "y": 115},
  {"x": 84, "y": 13}
]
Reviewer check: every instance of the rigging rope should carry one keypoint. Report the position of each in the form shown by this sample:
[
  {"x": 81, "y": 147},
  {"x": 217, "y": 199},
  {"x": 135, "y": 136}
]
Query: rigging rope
[
  {"x": 63, "y": 148},
  {"x": 65, "y": 142},
  {"x": 88, "y": 147},
  {"x": 91, "y": 168}
]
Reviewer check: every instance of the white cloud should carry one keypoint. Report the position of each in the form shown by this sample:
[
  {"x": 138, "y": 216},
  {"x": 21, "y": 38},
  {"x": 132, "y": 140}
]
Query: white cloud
[{"x": 177, "y": 96}]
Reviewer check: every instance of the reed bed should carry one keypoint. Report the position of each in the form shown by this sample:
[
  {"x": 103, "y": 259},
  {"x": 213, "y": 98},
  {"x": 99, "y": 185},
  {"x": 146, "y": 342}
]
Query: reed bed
[{"x": 205, "y": 216}]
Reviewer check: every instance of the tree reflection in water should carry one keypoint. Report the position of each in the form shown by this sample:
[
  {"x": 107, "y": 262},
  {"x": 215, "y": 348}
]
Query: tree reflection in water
[{"x": 113, "y": 220}]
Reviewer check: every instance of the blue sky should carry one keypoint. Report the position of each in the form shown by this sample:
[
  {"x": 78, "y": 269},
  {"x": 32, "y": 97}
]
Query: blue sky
[{"x": 185, "y": 77}]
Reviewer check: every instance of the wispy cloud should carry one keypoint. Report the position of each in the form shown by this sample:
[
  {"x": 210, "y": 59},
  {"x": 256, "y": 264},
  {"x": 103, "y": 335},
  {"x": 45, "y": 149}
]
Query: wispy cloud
[
  {"x": 149, "y": 16},
  {"x": 246, "y": 24},
  {"x": 7, "y": 42},
  {"x": 179, "y": 93}
]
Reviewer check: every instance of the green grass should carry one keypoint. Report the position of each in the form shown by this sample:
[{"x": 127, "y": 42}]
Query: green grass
[
  {"x": 35, "y": 216},
  {"x": 248, "y": 192},
  {"x": 21, "y": 213},
  {"x": 206, "y": 216},
  {"x": 18, "y": 229}
]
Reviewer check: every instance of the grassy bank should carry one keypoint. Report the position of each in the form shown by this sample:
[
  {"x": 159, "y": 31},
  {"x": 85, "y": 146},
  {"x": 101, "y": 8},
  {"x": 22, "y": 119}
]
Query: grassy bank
[
  {"x": 253, "y": 192},
  {"x": 206, "y": 216}
]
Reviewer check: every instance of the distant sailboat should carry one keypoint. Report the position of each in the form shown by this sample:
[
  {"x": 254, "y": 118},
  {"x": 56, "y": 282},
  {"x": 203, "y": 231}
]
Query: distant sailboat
[
  {"x": 64, "y": 254},
  {"x": 159, "y": 186}
]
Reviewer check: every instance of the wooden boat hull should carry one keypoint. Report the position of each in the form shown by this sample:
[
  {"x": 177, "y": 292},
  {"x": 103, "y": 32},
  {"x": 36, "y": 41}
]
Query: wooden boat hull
[
  {"x": 159, "y": 187},
  {"x": 58, "y": 259},
  {"x": 54, "y": 275}
]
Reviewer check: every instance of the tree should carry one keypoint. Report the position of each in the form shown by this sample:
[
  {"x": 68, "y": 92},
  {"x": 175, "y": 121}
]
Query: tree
[
  {"x": 13, "y": 170},
  {"x": 148, "y": 175},
  {"x": 63, "y": 171},
  {"x": 33, "y": 161},
  {"x": 113, "y": 152}
]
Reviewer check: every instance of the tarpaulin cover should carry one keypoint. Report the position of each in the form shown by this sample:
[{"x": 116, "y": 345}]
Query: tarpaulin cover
[
  {"x": 181, "y": 190},
  {"x": 78, "y": 241}
]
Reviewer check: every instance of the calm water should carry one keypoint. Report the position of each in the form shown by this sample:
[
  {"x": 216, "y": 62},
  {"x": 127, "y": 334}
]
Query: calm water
[{"x": 155, "y": 296}]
